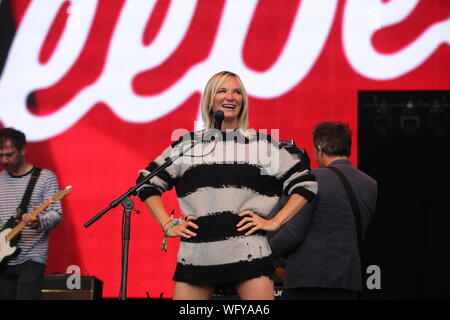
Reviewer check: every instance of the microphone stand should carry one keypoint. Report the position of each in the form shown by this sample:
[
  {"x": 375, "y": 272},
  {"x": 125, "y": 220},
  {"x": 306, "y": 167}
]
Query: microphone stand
[{"x": 128, "y": 205}]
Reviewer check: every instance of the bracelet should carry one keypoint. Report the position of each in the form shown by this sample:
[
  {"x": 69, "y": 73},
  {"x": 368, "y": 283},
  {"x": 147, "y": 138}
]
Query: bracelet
[
  {"x": 170, "y": 220},
  {"x": 164, "y": 226},
  {"x": 166, "y": 232}
]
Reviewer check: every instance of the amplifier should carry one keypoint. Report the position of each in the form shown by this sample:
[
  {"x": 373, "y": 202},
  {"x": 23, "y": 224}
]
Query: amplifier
[{"x": 56, "y": 288}]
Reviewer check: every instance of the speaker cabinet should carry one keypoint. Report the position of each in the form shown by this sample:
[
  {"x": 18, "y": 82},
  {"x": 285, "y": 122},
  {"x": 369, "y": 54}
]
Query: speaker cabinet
[{"x": 57, "y": 288}]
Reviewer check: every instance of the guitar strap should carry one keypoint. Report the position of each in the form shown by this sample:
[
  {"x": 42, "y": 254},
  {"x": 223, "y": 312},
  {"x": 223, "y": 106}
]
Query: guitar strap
[
  {"x": 354, "y": 203},
  {"x": 356, "y": 214},
  {"x": 28, "y": 192}
]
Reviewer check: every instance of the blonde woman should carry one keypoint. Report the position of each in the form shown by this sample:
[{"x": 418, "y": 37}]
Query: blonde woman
[{"x": 228, "y": 199}]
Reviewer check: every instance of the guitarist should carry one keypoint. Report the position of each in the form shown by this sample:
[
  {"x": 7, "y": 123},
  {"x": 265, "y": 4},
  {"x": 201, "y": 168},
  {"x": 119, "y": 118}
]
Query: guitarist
[{"x": 21, "y": 274}]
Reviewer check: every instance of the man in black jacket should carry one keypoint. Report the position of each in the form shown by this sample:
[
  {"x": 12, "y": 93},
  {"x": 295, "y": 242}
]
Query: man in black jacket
[{"x": 321, "y": 242}]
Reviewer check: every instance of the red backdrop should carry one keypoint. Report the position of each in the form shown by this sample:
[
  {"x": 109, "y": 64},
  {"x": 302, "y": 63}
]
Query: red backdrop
[{"x": 99, "y": 88}]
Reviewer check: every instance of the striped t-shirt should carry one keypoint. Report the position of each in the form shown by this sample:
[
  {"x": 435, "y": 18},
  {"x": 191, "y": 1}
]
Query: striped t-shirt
[
  {"x": 215, "y": 181},
  {"x": 33, "y": 242}
]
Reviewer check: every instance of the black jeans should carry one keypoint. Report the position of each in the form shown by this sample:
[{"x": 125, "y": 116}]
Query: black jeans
[
  {"x": 319, "y": 294},
  {"x": 21, "y": 282}
]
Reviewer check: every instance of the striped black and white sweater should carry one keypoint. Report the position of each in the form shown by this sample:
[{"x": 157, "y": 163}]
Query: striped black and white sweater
[
  {"x": 215, "y": 181},
  {"x": 33, "y": 242}
]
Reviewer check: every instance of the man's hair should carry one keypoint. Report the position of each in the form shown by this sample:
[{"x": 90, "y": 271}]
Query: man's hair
[
  {"x": 16, "y": 137},
  {"x": 333, "y": 138}
]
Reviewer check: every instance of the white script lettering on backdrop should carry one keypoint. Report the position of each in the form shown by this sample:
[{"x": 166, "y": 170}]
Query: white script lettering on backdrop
[{"x": 127, "y": 56}]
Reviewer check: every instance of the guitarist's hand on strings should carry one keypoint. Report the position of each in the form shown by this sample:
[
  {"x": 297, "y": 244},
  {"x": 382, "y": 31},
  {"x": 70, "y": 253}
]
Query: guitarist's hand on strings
[{"x": 31, "y": 221}]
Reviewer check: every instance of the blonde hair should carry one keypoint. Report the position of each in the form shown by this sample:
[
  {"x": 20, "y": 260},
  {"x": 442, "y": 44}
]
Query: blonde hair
[{"x": 208, "y": 97}]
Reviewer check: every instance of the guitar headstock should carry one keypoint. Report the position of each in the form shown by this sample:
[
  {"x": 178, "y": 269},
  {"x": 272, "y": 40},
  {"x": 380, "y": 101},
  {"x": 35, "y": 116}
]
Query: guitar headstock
[{"x": 61, "y": 194}]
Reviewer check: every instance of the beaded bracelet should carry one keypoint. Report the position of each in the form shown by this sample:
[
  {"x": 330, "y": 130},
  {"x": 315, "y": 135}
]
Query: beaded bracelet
[
  {"x": 166, "y": 232},
  {"x": 164, "y": 226}
]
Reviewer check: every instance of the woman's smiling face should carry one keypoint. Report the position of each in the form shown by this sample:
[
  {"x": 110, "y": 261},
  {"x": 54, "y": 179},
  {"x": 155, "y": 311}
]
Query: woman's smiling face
[{"x": 228, "y": 98}]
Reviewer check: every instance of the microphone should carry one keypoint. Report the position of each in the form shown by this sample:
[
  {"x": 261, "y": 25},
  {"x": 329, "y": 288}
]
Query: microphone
[
  {"x": 218, "y": 119},
  {"x": 215, "y": 132}
]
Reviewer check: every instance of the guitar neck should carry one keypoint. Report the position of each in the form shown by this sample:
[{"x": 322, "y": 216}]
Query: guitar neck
[{"x": 16, "y": 230}]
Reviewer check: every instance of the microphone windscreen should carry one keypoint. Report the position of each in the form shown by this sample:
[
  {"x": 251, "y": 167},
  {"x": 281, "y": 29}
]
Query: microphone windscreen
[
  {"x": 219, "y": 114},
  {"x": 218, "y": 118}
]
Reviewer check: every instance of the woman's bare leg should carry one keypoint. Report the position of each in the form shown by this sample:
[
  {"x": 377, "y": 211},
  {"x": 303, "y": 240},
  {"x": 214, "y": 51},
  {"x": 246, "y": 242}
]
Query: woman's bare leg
[
  {"x": 187, "y": 291},
  {"x": 261, "y": 288}
]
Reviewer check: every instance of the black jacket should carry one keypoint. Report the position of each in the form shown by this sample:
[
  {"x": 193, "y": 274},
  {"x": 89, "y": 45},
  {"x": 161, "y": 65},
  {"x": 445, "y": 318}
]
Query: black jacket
[{"x": 320, "y": 241}]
